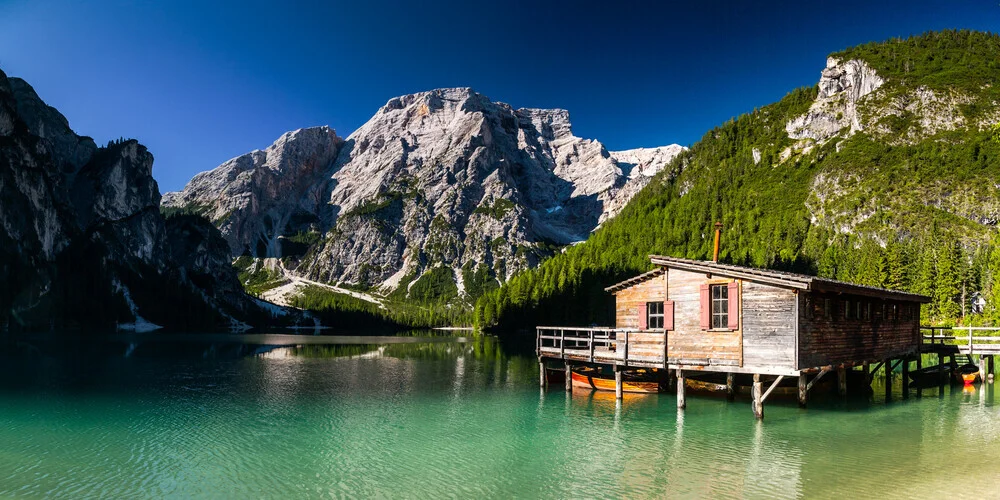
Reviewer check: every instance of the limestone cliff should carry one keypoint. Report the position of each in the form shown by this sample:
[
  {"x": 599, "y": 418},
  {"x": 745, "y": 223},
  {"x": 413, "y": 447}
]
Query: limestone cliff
[
  {"x": 444, "y": 178},
  {"x": 82, "y": 241}
]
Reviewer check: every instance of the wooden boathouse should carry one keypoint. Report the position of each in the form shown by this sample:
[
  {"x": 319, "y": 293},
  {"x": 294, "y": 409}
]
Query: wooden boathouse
[{"x": 689, "y": 317}]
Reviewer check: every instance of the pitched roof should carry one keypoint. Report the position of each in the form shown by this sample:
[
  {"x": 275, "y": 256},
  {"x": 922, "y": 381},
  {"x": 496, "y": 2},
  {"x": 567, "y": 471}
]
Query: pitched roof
[
  {"x": 770, "y": 277},
  {"x": 635, "y": 280}
]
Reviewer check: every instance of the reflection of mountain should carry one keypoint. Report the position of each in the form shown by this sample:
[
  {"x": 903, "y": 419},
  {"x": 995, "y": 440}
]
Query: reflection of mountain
[{"x": 323, "y": 351}]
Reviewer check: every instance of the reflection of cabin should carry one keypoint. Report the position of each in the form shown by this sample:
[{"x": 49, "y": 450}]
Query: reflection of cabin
[{"x": 689, "y": 315}]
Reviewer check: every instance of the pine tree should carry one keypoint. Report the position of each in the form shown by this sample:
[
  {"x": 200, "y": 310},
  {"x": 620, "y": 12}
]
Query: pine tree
[
  {"x": 925, "y": 281},
  {"x": 829, "y": 262},
  {"x": 948, "y": 285},
  {"x": 897, "y": 266},
  {"x": 991, "y": 280}
]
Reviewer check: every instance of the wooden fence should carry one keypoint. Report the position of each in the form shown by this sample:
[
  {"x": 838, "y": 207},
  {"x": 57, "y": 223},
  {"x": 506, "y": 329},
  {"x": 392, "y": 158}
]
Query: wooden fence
[
  {"x": 966, "y": 339},
  {"x": 619, "y": 346}
]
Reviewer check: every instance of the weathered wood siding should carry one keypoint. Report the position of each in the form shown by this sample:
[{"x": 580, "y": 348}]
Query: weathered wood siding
[
  {"x": 768, "y": 326},
  {"x": 627, "y": 301},
  {"x": 828, "y": 339},
  {"x": 688, "y": 343}
]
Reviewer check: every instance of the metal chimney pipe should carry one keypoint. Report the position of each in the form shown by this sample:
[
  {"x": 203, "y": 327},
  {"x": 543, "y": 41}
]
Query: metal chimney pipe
[{"x": 718, "y": 234}]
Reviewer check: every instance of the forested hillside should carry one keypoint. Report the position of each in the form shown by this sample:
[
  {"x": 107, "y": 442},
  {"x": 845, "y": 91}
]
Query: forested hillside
[{"x": 885, "y": 173}]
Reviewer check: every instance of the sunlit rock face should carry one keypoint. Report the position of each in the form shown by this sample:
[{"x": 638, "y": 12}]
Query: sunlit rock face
[
  {"x": 439, "y": 178},
  {"x": 82, "y": 241},
  {"x": 258, "y": 197},
  {"x": 842, "y": 85}
]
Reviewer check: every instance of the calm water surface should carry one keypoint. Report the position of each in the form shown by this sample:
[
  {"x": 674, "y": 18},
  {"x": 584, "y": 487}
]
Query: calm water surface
[{"x": 136, "y": 417}]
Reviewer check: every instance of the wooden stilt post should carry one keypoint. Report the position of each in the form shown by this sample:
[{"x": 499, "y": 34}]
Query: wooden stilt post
[
  {"x": 920, "y": 366},
  {"x": 541, "y": 373},
  {"x": 990, "y": 365},
  {"x": 868, "y": 372},
  {"x": 730, "y": 386},
  {"x": 982, "y": 368},
  {"x": 757, "y": 392},
  {"x": 906, "y": 378},
  {"x": 941, "y": 374},
  {"x": 618, "y": 382},
  {"x": 888, "y": 379},
  {"x": 681, "y": 402},
  {"x": 803, "y": 391},
  {"x": 842, "y": 380},
  {"x": 569, "y": 378}
]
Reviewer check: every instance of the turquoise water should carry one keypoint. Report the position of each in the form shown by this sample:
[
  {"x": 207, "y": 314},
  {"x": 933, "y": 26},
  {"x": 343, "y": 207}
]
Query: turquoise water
[{"x": 138, "y": 418}]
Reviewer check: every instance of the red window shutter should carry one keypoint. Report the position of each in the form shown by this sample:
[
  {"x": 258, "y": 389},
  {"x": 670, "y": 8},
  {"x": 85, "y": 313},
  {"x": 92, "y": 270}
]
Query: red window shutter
[
  {"x": 706, "y": 308},
  {"x": 643, "y": 318},
  {"x": 668, "y": 315},
  {"x": 734, "y": 305}
]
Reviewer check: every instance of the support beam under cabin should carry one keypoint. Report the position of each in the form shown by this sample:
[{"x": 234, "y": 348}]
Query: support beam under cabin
[
  {"x": 803, "y": 390},
  {"x": 887, "y": 366},
  {"x": 990, "y": 366},
  {"x": 757, "y": 393},
  {"x": 569, "y": 378},
  {"x": 681, "y": 402},
  {"x": 982, "y": 368},
  {"x": 842, "y": 380},
  {"x": 906, "y": 378},
  {"x": 942, "y": 376},
  {"x": 730, "y": 386},
  {"x": 618, "y": 382},
  {"x": 920, "y": 365},
  {"x": 867, "y": 367},
  {"x": 541, "y": 373}
]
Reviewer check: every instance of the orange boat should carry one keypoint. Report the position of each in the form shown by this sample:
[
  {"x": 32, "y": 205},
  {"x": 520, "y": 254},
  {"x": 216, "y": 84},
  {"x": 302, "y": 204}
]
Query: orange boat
[
  {"x": 591, "y": 378},
  {"x": 969, "y": 378}
]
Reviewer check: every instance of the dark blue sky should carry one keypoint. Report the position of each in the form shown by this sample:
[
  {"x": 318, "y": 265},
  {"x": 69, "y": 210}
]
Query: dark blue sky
[{"x": 201, "y": 84}]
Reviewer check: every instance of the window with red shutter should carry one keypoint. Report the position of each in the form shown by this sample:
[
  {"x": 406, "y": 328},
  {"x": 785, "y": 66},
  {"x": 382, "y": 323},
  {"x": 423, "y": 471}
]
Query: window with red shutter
[
  {"x": 706, "y": 307},
  {"x": 668, "y": 315},
  {"x": 734, "y": 306}
]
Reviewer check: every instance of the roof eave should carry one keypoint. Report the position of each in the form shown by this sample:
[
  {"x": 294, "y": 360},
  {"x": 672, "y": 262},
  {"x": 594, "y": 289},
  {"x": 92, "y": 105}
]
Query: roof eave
[
  {"x": 731, "y": 273},
  {"x": 832, "y": 287}
]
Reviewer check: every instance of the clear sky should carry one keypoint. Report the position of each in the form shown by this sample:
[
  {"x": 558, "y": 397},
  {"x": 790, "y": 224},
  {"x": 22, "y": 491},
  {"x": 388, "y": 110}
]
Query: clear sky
[{"x": 201, "y": 82}]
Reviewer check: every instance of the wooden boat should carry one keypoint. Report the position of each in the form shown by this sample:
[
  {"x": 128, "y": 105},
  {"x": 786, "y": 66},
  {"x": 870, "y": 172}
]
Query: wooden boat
[
  {"x": 595, "y": 379},
  {"x": 969, "y": 373},
  {"x": 930, "y": 376}
]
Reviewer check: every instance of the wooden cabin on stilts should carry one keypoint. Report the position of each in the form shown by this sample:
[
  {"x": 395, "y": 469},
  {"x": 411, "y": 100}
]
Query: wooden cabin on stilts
[{"x": 688, "y": 318}]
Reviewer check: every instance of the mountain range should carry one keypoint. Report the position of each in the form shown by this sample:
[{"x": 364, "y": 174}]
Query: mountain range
[
  {"x": 884, "y": 173},
  {"x": 445, "y": 187}
]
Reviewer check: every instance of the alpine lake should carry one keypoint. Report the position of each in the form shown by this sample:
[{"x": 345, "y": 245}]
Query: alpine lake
[{"x": 430, "y": 415}]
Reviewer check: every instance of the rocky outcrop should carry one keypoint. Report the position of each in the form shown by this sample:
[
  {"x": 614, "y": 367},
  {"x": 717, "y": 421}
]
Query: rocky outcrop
[
  {"x": 440, "y": 178},
  {"x": 82, "y": 241},
  {"x": 260, "y": 196},
  {"x": 842, "y": 85},
  {"x": 639, "y": 166}
]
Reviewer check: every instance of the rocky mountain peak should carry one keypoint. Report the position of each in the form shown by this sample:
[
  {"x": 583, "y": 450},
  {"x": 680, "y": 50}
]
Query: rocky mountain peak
[
  {"x": 82, "y": 240},
  {"x": 443, "y": 178},
  {"x": 842, "y": 85}
]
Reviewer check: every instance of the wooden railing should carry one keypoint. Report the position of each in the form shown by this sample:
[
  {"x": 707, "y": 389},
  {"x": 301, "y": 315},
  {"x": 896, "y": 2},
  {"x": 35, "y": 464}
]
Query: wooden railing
[
  {"x": 622, "y": 346},
  {"x": 964, "y": 338}
]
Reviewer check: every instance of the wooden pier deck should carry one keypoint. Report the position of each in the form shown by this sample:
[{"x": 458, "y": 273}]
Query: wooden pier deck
[
  {"x": 963, "y": 340},
  {"x": 629, "y": 348}
]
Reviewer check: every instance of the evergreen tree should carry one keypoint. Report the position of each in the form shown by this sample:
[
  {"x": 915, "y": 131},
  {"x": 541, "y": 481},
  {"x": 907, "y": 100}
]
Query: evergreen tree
[
  {"x": 991, "y": 280},
  {"x": 948, "y": 285}
]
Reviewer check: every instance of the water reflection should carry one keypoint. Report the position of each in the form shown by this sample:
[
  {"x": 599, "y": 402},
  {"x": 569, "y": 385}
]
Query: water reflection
[{"x": 432, "y": 416}]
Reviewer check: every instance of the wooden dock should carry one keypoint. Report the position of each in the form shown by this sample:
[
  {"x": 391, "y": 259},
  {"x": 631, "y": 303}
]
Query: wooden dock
[
  {"x": 949, "y": 342},
  {"x": 709, "y": 320}
]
